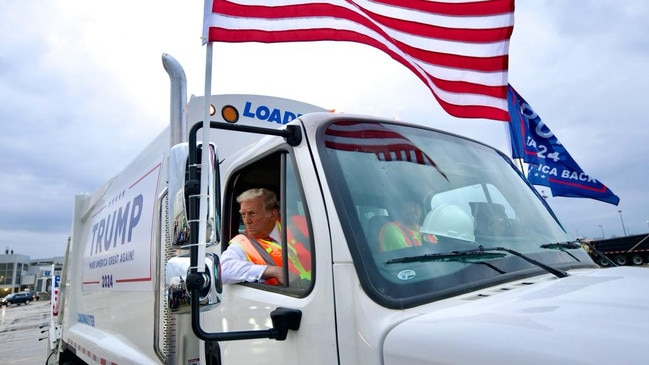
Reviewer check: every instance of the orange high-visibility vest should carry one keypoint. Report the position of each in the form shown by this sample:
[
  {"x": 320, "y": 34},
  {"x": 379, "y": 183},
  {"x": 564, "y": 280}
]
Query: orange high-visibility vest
[
  {"x": 298, "y": 254},
  {"x": 410, "y": 237},
  {"x": 254, "y": 256},
  {"x": 299, "y": 257}
]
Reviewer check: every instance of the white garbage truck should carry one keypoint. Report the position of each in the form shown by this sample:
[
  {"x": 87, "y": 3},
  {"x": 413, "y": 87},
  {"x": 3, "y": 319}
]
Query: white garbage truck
[{"x": 490, "y": 276}]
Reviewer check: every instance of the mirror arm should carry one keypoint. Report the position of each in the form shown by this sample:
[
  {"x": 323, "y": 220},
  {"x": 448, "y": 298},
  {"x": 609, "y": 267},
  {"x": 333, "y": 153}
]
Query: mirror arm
[
  {"x": 284, "y": 319},
  {"x": 292, "y": 133}
]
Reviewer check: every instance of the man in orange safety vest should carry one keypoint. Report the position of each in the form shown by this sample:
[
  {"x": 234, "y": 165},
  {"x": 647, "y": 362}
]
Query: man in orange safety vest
[
  {"x": 404, "y": 232},
  {"x": 255, "y": 255}
]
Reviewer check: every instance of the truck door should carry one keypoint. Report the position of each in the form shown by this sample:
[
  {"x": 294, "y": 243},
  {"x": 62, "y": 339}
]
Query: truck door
[{"x": 246, "y": 306}]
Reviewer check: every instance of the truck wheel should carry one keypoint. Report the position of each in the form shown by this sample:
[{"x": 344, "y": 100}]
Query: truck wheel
[
  {"x": 637, "y": 260},
  {"x": 603, "y": 261},
  {"x": 620, "y": 260}
]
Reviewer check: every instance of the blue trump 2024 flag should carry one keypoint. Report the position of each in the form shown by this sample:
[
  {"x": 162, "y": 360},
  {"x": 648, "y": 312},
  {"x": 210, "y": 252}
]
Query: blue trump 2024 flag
[{"x": 549, "y": 164}]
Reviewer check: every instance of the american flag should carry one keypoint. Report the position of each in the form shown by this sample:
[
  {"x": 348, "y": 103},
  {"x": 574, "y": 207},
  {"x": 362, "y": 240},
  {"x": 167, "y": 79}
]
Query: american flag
[
  {"x": 458, "y": 48},
  {"x": 378, "y": 139}
]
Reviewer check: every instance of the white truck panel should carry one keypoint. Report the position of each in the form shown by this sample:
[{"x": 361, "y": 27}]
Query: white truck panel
[
  {"x": 109, "y": 290},
  {"x": 251, "y": 110},
  {"x": 580, "y": 319}
]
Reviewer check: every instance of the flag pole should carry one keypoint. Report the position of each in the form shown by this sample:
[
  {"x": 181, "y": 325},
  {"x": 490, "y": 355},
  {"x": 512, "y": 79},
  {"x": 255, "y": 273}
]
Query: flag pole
[
  {"x": 205, "y": 158},
  {"x": 520, "y": 164}
]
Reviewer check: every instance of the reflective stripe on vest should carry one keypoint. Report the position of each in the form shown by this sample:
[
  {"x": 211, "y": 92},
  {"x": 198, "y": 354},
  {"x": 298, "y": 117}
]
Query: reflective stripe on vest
[
  {"x": 411, "y": 238},
  {"x": 409, "y": 235},
  {"x": 274, "y": 250},
  {"x": 297, "y": 250}
]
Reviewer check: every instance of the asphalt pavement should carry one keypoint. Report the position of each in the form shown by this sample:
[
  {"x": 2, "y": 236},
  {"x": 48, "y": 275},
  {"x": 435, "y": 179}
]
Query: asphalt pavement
[{"x": 19, "y": 333}]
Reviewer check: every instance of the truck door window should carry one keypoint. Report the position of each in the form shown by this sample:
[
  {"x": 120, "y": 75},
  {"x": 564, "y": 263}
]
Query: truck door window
[
  {"x": 277, "y": 173},
  {"x": 298, "y": 231}
]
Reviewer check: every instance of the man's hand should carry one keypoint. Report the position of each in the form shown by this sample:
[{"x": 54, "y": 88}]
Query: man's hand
[
  {"x": 294, "y": 279},
  {"x": 273, "y": 272}
]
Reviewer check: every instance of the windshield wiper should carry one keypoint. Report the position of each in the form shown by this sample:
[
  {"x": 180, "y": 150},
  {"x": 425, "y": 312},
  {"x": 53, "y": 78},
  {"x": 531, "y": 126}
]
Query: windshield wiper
[
  {"x": 467, "y": 257},
  {"x": 563, "y": 246},
  {"x": 560, "y": 245},
  {"x": 463, "y": 256},
  {"x": 479, "y": 253}
]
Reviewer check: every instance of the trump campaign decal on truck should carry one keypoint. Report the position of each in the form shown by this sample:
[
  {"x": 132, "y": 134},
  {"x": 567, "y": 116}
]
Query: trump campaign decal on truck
[{"x": 118, "y": 247}]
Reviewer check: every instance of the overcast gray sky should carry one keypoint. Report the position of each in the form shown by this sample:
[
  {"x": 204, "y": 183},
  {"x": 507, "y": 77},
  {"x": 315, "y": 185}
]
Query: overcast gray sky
[{"x": 82, "y": 90}]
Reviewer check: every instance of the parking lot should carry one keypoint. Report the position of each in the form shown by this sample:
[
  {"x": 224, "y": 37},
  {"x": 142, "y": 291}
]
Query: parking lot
[{"x": 19, "y": 333}]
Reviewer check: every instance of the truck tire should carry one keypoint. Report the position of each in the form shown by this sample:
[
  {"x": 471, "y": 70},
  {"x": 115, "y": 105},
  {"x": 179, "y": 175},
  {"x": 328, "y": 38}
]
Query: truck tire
[
  {"x": 620, "y": 260},
  {"x": 637, "y": 259},
  {"x": 73, "y": 360},
  {"x": 603, "y": 261}
]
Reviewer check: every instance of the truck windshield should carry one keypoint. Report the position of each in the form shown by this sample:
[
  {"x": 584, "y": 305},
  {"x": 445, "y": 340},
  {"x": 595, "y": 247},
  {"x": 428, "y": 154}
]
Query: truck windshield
[{"x": 406, "y": 192}]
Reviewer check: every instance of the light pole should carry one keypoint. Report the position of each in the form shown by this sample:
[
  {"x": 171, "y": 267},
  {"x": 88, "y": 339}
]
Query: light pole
[
  {"x": 622, "y": 220},
  {"x": 602, "y": 228}
]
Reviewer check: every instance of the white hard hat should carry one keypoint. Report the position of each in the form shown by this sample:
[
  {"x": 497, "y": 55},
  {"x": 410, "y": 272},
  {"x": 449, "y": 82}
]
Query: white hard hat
[{"x": 449, "y": 221}]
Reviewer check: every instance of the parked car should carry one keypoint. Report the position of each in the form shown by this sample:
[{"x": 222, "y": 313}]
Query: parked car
[{"x": 17, "y": 299}]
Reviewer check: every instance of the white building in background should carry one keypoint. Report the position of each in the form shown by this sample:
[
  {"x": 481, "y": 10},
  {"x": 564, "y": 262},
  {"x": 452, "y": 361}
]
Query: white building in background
[
  {"x": 12, "y": 269},
  {"x": 21, "y": 273},
  {"x": 42, "y": 269}
]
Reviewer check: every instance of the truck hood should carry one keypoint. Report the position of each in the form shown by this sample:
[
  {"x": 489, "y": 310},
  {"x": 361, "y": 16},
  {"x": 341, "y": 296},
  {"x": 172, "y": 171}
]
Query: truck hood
[{"x": 599, "y": 316}]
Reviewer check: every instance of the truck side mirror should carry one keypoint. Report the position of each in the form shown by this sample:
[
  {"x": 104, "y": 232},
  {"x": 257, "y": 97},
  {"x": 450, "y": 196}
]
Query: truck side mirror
[
  {"x": 178, "y": 225},
  {"x": 177, "y": 293},
  {"x": 180, "y": 188}
]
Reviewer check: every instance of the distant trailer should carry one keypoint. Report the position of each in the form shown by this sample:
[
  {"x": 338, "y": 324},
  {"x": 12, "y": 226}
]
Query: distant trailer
[{"x": 629, "y": 250}]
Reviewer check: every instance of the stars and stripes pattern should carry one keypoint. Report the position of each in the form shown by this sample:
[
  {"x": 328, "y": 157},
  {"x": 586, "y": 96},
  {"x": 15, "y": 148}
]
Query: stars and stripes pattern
[
  {"x": 375, "y": 138},
  {"x": 458, "y": 48}
]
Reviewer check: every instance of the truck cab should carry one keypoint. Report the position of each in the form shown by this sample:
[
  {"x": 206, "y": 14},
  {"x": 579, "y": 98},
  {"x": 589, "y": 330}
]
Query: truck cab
[
  {"x": 482, "y": 273},
  {"x": 488, "y": 230}
]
